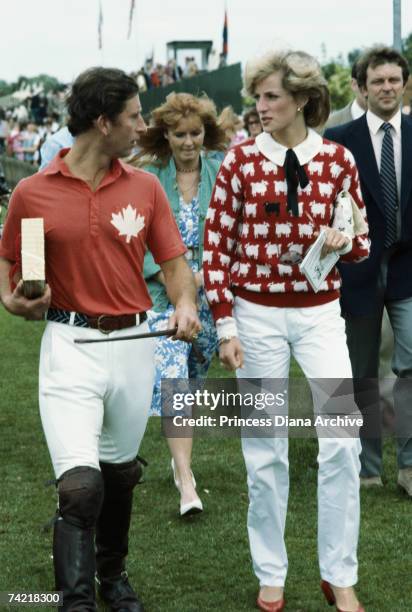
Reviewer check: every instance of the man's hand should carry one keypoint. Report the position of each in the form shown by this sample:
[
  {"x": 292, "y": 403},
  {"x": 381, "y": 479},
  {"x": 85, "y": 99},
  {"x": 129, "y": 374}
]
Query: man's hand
[
  {"x": 231, "y": 354},
  {"x": 186, "y": 320},
  {"x": 181, "y": 289},
  {"x": 33, "y": 310},
  {"x": 335, "y": 241}
]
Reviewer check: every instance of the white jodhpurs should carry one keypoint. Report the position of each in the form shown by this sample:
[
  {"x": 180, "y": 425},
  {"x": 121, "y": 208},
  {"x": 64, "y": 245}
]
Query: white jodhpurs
[
  {"x": 316, "y": 338},
  {"x": 94, "y": 398}
]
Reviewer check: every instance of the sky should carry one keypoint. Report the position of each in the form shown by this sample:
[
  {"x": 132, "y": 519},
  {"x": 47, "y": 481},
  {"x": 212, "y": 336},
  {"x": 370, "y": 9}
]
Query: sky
[{"x": 59, "y": 37}]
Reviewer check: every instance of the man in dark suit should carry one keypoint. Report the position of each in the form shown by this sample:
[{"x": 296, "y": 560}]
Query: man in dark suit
[
  {"x": 355, "y": 109},
  {"x": 381, "y": 142}
]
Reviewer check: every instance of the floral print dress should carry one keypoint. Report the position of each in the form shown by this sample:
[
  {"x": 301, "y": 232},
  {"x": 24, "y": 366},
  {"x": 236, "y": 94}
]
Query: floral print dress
[{"x": 175, "y": 359}]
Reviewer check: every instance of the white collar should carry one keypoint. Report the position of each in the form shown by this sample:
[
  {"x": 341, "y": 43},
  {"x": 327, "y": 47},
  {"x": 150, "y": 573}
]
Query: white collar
[
  {"x": 276, "y": 153},
  {"x": 356, "y": 110},
  {"x": 375, "y": 122}
]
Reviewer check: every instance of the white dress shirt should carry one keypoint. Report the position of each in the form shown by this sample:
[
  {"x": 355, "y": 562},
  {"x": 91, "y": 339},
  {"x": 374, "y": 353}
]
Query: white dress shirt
[
  {"x": 376, "y": 133},
  {"x": 355, "y": 110}
]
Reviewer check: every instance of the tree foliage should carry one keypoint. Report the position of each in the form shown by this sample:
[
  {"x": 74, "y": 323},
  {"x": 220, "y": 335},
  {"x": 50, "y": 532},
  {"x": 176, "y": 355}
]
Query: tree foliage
[
  {"x": 337, "y": 74},
  {"x": 353, "y": 56},
  {"x": 44, "y": 81},
  {"x": 5, "y": 88},
  {"x": 407, "y": 49},
  {"x": 339, "y": 87}
]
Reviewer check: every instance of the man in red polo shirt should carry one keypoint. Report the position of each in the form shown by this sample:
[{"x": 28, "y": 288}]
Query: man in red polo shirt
[{"x": 99, "y": 215}]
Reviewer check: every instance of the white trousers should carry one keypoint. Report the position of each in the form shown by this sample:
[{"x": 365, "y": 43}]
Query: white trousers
[
  {"x": 94, "y": 398},
  {"x": 316, "y": 338}
]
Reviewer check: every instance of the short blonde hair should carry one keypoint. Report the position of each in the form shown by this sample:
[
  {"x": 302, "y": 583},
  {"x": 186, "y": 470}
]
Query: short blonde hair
[
  {"x": 177, "y": 106},
  {"x": 302, "y": 76}
]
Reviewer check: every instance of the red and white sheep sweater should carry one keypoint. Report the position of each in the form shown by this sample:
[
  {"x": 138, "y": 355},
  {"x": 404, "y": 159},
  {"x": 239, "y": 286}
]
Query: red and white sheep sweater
[{"x": 248, "y": 226}]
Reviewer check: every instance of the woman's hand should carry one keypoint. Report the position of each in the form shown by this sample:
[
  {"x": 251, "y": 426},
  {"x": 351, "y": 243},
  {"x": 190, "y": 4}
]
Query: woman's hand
[
  {"x": 335, "y": 241},
  {"x": 231, "y": 354}
]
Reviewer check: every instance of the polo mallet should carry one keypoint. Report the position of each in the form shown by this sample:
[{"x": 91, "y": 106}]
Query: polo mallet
[{"x": 165, "y": 332}]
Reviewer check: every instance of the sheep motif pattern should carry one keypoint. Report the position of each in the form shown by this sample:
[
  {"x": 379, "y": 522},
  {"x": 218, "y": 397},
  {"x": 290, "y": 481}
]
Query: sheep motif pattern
[{"x": 249, "y": 248}]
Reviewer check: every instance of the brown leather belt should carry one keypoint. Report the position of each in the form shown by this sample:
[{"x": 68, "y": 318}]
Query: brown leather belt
[
  {"x": 104, "y": 323},
  {"x": 109, "y": 323}
]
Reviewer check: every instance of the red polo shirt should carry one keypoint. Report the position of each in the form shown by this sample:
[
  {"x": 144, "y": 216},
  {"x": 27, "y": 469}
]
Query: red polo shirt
[{"x": 95, "y": 241}]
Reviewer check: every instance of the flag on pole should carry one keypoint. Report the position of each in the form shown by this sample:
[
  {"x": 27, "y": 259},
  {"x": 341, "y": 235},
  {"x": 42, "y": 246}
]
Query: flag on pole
[
  {"x": 129, "y": 31},
  {"x": 100, "y": 25},
  {"x": 225, "y": 38}
]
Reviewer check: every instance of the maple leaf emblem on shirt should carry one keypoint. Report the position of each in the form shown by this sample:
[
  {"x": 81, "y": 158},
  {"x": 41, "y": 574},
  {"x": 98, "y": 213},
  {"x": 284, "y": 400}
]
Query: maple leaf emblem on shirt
[{"x": 128, "y": 222}]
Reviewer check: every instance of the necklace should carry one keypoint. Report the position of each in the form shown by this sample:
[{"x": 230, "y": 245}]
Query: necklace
[{"x": 186, "y": 170}]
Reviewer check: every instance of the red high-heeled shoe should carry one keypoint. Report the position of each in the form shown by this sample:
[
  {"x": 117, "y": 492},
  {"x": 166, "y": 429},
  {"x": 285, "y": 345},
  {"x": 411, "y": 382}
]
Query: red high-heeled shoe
[
  {"x": 330, "y": 596},
  {"x": 271, "y": 606}
]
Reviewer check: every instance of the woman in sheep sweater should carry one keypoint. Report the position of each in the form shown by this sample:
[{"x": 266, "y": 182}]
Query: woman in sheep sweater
[{"x": 272, "y": 196}]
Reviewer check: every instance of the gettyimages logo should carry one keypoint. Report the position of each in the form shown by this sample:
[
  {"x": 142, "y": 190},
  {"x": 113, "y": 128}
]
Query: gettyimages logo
[
  {"x": 293, "y": 407},
  {"x": 224, "y": 398}
]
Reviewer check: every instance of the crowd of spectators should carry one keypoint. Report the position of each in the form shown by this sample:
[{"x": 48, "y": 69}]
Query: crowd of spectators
[
  {"x": 23, "y": 138},
  {"x": 154, "y": 74},
  {"x": 24, "y": 127},
  {"x": 158, "y": 75}
]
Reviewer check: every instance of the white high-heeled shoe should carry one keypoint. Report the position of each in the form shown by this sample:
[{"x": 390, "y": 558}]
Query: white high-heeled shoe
[
  {"x": 177, "y": 483},
  {"x": 193, "y": 507}
]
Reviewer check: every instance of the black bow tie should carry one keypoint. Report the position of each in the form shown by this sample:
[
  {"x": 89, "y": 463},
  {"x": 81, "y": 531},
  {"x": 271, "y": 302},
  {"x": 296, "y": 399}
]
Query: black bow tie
[{"x": 295, "y": 174}]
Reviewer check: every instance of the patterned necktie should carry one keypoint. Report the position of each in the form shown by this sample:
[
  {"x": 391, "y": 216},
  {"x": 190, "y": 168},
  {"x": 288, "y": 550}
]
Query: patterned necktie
[{"x": 389, "y": 186}]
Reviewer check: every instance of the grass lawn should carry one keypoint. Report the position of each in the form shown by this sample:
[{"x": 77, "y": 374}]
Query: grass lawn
[{"x": 201, "y": 564}]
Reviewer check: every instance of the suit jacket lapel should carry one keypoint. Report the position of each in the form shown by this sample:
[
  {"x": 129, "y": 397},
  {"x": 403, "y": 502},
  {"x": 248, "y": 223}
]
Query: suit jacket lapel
[
  {"x": 362, "y": 148},
  {"x": 406, "y": 174}
]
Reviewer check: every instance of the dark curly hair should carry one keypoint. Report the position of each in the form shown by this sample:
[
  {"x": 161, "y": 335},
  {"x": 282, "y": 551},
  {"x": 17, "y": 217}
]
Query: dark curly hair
[
  {"x": 376, "y": 56},
  {"x": 98, "y": 91}
]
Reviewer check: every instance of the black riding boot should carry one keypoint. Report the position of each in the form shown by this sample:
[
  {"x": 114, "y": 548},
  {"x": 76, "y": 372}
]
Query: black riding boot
[
  {"x": 74, "y": 562},
  {"x": 80, "y": 495},
  {"x": 112, "y": 536}
]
